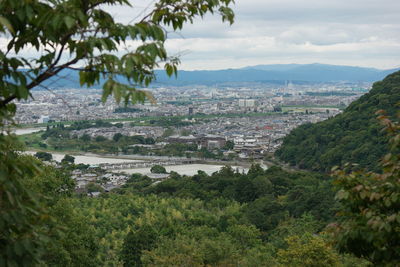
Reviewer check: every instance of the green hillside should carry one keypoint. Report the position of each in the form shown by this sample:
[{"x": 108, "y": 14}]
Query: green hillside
[{"x": 354, "y": 136}]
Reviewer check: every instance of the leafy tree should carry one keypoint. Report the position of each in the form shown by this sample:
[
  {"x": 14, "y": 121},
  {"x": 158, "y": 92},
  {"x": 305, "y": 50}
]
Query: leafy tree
[
  {"x": 158, "y": 169},
  {"x": 369, "y": 220},
  {"x": 20, "y": 213},
  {"x": 102, "y": 124},
  {"x": 135, "y": 242},
  {"x": 255, "y": 170},
  {"x": 45, "y": 156},
  {"x": 68, "y": 159},
  {"x": 186, "y": 251},
  {"x": 306, "y": 224},
  {"x": 92, "y": 187},
  {"x": 100, "y": 138},
  {"x": 265, "y": 213},
  {"x": 117, "y": 137},
  {"x": 149, "y": 141},
  {"x": 85, "y": 138},
  {"x": 309, "y": 251},
  {"x": 75, "y": 247},
  {"x": 229, "y": 145},
  {"x": 51, "y": 184}
]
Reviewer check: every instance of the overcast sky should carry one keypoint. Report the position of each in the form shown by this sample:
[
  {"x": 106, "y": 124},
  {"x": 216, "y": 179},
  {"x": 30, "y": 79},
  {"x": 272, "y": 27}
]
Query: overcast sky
[
  {"x": 345, "y": 32},
  {"x": 342, "y": 32}
]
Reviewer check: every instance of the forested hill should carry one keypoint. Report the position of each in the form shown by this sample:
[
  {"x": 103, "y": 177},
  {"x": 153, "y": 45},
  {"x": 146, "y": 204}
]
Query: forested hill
[{"x": 354, "y": 136}]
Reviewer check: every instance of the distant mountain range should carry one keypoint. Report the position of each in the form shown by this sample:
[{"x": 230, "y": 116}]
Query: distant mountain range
[{"x": 277, "y": 73}]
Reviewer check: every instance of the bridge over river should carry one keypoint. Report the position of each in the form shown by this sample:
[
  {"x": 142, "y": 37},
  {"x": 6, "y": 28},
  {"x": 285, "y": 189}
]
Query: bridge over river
[{"x": 146, "y": 164}]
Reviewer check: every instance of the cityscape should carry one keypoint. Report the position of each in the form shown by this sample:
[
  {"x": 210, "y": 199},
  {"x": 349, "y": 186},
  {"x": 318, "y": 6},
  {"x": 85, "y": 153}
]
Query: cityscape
[{"x": 227, "y": 125}]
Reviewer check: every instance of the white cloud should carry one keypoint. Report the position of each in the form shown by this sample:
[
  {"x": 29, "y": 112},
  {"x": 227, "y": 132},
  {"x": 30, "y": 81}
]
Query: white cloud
[
  {"x": 347, "y": 32},
  {"x": 210, "y": 53}
]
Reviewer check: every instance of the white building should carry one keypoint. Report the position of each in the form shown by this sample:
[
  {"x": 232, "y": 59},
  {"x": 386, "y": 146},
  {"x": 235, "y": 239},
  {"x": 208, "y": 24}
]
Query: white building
[
  {"x": 43, "y": 119},
  {"x": 247, "y": 103}
]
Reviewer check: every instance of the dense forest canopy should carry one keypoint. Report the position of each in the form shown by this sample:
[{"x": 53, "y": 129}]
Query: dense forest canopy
[
  {"x": 266, "y": 217},
  {"x": 355, "y": 136}
]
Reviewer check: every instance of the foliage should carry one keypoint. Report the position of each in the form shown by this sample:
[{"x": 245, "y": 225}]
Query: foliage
[
  {"x": 369, "y": 220},
  {"x": 306, "y": 224},
  {"x": 127, "y": 225},
  {"x": 21, "y": 216},
  {"x": 50, "y": 184},
  {"x": 309, "y": 251},
  {"x": 44, "y": 156},
  {"x": 265, "y": 213},
  {"x": 270, "y": 196},
  {"x": 100, "y": 138},
  {"x": 68, "y": 159},
  {"x": 73, "y": 247},
  {"x": 229, "y": 145},
  {"x": 92, "y": 187},
  {"x": 186, "y": 251},
  {"x": 117, "y": 137},
  {"x": 135, "y": 242},
  {"x": 72, "y": 241},
  {"x": 353, "y": 136},
  {"x": 158, "y": 169}
]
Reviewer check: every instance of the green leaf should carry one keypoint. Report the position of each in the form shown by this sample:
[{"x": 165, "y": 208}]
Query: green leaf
[
  {"x": 5, "y": 23},
  {"x": 69, "y": 22},
  {"x": 82, "y": 78},
  {"x": 169, "y": 69},
  {"x": 341, "y": 194}
]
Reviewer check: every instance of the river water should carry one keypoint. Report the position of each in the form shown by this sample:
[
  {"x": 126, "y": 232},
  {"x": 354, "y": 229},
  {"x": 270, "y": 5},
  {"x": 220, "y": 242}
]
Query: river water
[
  {"x": 187, "y": 169},
  {"x": 88, "y": 159},
  {"x": 28, "y": 130}
]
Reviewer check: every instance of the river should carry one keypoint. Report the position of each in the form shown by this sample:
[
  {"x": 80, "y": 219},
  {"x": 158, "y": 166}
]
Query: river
[
  {"x": 186, "y": 169},
  {"x": 21, "y": 131},
  {"x": 89, "y": 159}
]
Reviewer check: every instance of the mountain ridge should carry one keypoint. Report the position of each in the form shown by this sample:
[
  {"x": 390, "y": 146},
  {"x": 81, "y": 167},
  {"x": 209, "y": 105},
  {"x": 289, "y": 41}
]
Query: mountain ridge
[
  {"x": 273, "y": 74},
  {"x": 315, "y": 72}
]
